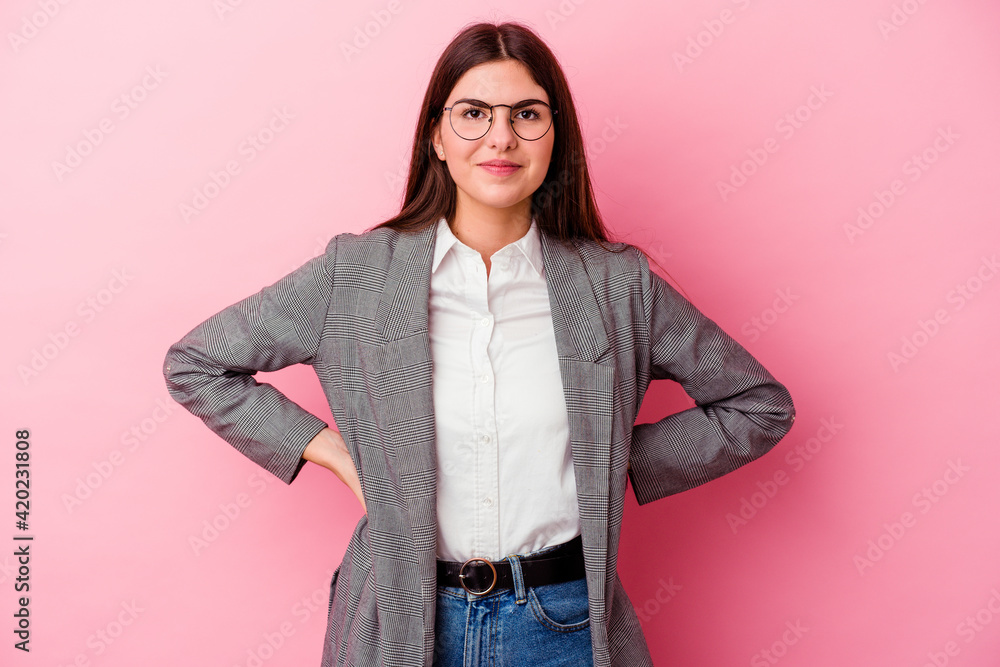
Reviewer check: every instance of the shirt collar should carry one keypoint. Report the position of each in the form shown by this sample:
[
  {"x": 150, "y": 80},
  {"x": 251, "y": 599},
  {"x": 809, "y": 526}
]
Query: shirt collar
[{"x": 529, "y": 245}]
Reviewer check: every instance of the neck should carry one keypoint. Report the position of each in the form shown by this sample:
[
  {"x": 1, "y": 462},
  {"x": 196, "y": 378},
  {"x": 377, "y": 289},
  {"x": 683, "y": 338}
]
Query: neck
[{"x": 486, "y": 229}]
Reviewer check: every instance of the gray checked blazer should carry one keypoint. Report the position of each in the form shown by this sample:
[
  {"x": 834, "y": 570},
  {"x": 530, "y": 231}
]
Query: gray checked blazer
[{"x": 359, "y": 315}]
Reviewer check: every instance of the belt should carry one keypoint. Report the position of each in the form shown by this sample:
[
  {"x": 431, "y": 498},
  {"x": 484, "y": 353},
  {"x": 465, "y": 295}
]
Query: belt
[{"x": 480, "y": 576}]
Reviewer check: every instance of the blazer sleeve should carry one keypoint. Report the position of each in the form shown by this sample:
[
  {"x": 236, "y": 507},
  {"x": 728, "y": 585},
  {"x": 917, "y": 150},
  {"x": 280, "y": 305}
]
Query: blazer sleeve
[
  {"x": 740, "y": 411},
  {"x": 210, "y": 370}
]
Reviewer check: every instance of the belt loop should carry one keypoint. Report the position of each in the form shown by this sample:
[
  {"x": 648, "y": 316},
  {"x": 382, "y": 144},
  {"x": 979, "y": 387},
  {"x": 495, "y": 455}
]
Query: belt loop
[{"x": 520, "y": 595}]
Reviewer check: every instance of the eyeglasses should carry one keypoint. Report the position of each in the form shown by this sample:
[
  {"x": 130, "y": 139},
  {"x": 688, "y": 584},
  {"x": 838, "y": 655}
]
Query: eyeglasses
[{"x": 472, "y": 119}]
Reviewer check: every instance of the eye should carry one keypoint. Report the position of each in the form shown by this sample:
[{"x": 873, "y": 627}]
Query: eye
[
  {"x": 475, "y": 113},
  {"x": 527, "y": 113}
]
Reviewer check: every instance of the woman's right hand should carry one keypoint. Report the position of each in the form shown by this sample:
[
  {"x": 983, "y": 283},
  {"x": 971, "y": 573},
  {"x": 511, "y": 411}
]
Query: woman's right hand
[{"x": 329, "y": 450}]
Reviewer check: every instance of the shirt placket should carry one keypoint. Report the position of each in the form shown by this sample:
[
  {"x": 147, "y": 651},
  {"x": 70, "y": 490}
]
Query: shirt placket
[{"x": 485, "y": 497}]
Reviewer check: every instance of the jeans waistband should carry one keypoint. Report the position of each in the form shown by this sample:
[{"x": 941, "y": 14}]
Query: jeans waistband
[{"x": 479, "y": 576}]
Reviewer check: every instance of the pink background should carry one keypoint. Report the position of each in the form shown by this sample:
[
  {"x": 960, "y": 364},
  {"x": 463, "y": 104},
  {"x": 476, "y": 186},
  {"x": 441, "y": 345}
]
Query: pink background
[{"x": 867, "y": 537}]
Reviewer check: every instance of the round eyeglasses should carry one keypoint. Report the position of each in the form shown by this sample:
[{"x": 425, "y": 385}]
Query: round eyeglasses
[{"x": 472, "y": 119}]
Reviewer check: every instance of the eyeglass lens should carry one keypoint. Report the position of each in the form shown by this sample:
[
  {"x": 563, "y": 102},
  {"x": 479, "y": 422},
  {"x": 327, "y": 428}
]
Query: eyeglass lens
[{"x": 472, "y": 121}]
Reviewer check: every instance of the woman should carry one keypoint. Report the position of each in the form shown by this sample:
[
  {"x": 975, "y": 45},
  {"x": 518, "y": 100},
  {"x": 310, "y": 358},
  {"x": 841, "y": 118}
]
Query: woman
[{"x": 484, "y": 354}]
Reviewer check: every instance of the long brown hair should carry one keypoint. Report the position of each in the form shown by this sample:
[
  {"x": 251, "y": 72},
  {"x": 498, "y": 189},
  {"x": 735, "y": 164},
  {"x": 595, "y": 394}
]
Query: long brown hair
[{"x": 563, "y": 204}]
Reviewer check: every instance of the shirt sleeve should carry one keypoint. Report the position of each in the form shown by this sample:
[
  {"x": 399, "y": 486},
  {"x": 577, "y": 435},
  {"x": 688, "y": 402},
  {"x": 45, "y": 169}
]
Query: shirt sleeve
[
  {"x": 740, "y": 411},
  {"x": 210, "y": 370}
]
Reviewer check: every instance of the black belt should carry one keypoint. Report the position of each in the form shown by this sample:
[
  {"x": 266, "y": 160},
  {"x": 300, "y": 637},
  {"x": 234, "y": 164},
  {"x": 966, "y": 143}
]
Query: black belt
[{"x": 480, "y": 576}]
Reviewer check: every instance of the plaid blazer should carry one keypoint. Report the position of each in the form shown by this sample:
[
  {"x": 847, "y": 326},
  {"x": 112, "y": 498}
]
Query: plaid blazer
[{"x": 359, "y": 315}]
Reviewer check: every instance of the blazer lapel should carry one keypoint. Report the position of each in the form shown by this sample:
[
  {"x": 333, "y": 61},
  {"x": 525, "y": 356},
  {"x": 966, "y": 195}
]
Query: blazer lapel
[
  {"x": 407, "y": 403},
  {"x": 403, "y": 307},
  {"x": 577, "y": 318},
  {"x": 588, "y": 385}
]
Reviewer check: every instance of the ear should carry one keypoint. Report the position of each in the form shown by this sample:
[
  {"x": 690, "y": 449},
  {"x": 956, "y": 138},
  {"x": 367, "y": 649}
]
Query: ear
[{"x": 436, "y": 140}]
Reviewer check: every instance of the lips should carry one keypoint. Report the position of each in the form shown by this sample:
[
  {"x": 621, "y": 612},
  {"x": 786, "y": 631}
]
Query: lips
[{"x": 500, "y": 167}]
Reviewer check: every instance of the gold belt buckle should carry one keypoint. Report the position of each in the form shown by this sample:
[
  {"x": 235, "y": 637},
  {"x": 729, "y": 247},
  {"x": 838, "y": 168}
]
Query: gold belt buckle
[{"x": 461, "y": 576}]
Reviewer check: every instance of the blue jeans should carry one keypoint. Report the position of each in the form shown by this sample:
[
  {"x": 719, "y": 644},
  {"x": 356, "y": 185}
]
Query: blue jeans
[{"x": 542, "y": 626}]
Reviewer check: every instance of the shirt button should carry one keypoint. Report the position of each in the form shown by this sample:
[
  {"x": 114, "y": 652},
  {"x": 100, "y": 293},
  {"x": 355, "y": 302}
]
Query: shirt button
[
  {"x": 484, "y": 378},
  {"x": 488, "y": 502},
  {"x": 485, "y": 321},
  {"x": 485, "y": 438}
]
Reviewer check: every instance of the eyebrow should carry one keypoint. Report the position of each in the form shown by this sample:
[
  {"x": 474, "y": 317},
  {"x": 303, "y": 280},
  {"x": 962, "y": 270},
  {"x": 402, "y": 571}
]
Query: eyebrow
[{"x": 476, "y": 102}]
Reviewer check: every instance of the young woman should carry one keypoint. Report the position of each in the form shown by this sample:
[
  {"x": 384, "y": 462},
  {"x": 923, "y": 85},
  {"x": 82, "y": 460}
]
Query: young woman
[{"x": 484, "y": 353}]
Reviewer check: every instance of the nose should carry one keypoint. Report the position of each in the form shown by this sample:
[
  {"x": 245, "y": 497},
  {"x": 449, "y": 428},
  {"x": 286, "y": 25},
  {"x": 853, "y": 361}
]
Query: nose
[{"x": 501, "y": 132}]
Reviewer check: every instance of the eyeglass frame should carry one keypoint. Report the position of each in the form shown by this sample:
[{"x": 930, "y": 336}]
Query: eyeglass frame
[{"x": 510, "y": 116}]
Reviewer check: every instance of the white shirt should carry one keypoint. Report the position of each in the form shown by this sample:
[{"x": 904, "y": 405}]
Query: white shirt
[{"x": 505, "y": 467}]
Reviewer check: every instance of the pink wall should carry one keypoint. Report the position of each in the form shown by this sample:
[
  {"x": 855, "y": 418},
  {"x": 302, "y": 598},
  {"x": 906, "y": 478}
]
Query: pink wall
[{"x": 736, "y": 140}]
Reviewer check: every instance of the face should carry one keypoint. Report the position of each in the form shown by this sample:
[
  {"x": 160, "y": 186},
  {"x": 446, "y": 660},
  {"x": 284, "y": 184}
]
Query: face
[{"x": 499, "y": 82}]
